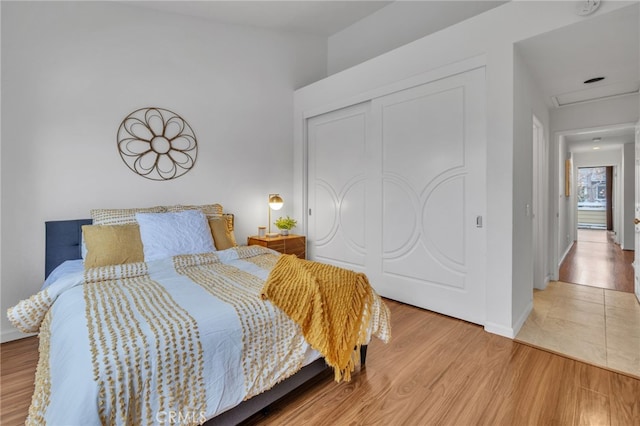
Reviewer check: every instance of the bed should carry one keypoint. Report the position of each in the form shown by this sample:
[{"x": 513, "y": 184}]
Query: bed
[{"x": 182, "y": 339}]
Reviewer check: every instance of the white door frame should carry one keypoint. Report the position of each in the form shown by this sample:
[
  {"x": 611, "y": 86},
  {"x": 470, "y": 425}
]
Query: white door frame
[
  {"x": 636, "y": 257},
  {"x": 540, "y": 205}
]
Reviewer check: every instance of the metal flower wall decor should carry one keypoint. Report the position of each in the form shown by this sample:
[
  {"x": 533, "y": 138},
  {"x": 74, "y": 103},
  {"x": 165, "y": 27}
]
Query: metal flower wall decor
[{"x": 157, "y": 144}]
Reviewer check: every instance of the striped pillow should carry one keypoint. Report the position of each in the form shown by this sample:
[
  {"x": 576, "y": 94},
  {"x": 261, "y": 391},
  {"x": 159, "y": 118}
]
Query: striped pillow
[
  {"x": 121, "y": 216},
  {"x": 210, "y": 210}
]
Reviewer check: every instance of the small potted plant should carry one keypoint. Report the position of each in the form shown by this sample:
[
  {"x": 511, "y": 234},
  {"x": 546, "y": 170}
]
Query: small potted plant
[{"x": 285, "y": 224}]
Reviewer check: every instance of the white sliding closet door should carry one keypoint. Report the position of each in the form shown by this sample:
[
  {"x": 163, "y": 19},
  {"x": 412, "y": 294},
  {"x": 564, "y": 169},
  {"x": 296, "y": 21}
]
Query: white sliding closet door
[
  {"x": 432, "y": 139},
  {"x": 397, "y": 189},
  {"x": 338, "y": 186}
]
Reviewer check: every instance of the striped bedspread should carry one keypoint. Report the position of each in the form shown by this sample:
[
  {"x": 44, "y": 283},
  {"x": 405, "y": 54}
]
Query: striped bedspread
[{"x": 177, "y": 340}]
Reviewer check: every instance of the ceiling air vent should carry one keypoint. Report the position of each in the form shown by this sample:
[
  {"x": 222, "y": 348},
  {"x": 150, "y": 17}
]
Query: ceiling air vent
[{"x": 593, "y": 80}]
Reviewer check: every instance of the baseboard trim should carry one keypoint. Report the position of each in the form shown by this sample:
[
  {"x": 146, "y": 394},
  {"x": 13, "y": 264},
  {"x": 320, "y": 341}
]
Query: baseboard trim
[
  {"x": 523, "y": 318},
  {"x": 566, "y": 252},
  {"x": 498, "y": 329},
  {"x": 544, "y": 285},
  {"x": 512, "y": 332},
  {"x": 10, "y": 335}
]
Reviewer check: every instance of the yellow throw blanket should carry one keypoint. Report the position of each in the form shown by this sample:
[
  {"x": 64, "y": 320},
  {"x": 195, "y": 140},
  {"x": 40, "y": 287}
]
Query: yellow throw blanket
[{"x": 332, "y": 305}]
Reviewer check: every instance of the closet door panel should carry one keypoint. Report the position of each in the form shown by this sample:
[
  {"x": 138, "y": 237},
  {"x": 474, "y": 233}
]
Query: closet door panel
[
  {"x": 433, "y": 174},
  {"x": 338, "y": 186},
  {"x": 423, "y": 137},
  {"x": 395, "y": 187}
]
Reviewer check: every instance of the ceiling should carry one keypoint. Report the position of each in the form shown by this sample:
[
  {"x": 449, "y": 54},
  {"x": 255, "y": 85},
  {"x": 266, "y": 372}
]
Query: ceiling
[
  {"x": 606, "y": 45},
  {"x": 561, "y": 60},
  {"x": 323, "y": 18},
  {"x": 610, "y": 138}
]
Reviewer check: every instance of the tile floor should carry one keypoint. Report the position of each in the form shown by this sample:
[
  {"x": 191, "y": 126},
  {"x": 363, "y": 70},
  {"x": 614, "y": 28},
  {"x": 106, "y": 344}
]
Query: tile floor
[{"x": 590, "y": 324}]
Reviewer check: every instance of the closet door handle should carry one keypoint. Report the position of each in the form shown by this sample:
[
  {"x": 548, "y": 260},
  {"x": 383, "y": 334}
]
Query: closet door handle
[{"x": 636, "y": 221}]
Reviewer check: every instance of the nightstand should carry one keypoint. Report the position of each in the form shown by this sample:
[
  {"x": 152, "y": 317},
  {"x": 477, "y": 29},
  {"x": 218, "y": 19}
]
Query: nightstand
[{"x": 290, "y": 244}]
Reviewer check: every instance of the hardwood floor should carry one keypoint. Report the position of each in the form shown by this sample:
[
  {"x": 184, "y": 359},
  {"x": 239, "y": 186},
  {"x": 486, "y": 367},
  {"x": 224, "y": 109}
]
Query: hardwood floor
[
  {"x": 439, "y": 370},
  {"x": 595, "y": 260},
  {"x": 18, "y": 360},
  {"x": 435, "y": 370}
]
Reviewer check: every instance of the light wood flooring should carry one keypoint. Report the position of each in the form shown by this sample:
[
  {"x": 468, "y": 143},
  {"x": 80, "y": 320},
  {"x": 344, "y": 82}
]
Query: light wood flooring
[
  {"x": 18, "y": 360},
  {"x": 435, "y": 371},
  {"x": 595, "y": 260}
]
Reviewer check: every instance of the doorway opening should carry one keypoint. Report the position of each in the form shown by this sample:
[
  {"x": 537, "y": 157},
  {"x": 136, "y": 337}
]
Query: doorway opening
[
  {"x": 594, "y": 198},
  {"x": 596, "y": 259}
]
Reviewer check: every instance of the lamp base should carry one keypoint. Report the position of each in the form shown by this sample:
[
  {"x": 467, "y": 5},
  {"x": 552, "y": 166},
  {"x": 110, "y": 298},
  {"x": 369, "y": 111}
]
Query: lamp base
[{"x": 272, "y": 234}]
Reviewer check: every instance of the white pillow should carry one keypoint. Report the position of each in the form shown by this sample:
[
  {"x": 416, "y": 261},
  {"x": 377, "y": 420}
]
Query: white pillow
[{"x": 170, "y": 234}]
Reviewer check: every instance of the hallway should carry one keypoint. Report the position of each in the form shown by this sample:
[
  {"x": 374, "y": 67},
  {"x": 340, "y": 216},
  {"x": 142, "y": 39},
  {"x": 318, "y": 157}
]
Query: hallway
[
  {"x": 595, "y": 260},
  {"x": 591, "y": 314}
]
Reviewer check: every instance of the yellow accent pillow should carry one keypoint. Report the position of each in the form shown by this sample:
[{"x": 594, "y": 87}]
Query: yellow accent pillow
[
  {"x": 222, "y": 232},
  {"x": 112, "y": 245}
]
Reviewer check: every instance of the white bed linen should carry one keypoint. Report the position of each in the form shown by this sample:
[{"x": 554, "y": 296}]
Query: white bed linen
[
  {"x": 73, "y": 394},
  {"x": 65, "y": 268}
]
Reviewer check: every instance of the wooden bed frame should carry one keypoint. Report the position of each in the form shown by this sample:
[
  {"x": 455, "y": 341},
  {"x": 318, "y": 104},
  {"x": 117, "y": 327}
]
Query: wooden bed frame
[{"x": 64, "y": 242}]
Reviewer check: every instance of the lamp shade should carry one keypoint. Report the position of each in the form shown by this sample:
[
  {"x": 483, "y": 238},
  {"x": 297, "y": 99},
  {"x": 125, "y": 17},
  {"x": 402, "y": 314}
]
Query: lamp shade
[{"x": 275, "y": 201}]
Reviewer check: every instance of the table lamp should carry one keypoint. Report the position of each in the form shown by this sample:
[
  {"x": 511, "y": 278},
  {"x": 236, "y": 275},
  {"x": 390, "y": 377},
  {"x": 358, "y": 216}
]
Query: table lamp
[{"x": 275, "y": 203}]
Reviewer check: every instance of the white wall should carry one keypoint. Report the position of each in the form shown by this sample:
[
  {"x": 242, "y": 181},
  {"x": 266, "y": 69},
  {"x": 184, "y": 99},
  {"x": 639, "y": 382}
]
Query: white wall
[
  {"x": 71, "y": 71},
  {"x": 613, "y": 111},
  {"x": 492, "y": 36},
  {"x": 602, "y": 157},
  {"x": 528, "y": 101},
  {"x": 392, "y": 26}
]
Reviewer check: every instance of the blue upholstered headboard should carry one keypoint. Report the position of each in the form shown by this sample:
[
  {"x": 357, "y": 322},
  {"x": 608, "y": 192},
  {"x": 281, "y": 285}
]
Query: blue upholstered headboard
[{"x": 63, "y": 241}]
